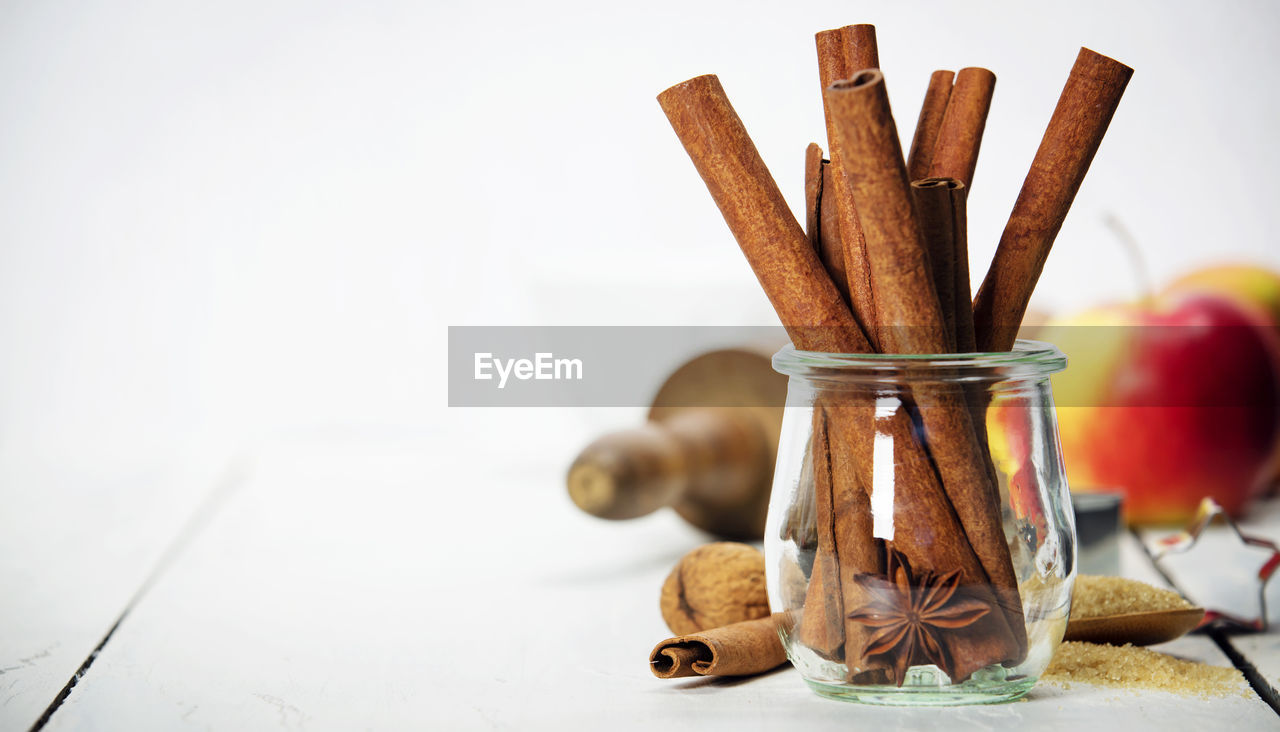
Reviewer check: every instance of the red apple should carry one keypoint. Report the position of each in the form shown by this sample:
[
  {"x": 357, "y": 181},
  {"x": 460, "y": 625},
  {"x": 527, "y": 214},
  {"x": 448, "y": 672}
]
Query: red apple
[
  {"x": 1248, "y": 284},
  {"x": 1169, "y": 401}
]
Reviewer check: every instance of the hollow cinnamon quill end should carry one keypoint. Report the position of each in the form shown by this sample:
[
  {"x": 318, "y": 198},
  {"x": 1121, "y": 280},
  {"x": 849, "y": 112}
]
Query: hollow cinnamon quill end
[
  {"x": 740, "y": 649},
  {"x": 673, "y": 661}
]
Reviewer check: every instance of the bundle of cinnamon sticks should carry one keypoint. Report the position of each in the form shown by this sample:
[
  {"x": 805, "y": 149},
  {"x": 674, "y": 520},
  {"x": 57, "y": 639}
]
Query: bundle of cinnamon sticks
[{"x": 883, "y": 268}]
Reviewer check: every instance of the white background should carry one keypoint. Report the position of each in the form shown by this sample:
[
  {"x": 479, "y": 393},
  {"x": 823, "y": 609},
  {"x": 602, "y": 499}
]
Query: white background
[{"x": 244, "y": 219}]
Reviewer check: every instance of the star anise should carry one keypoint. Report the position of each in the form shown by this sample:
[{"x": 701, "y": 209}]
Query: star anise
[{"x": 911, "y": 614}]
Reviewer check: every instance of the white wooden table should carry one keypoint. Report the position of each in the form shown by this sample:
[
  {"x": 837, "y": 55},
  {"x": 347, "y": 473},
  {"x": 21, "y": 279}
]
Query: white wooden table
[{"x": 390, "y": 585}]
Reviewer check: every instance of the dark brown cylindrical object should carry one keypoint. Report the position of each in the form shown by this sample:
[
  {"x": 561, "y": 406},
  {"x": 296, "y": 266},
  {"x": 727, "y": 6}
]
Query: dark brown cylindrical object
[
  {"x": 962, "y": 288},
  {"x": 955, "y": 154},
  {"x": 940, "y": 205},
  {"x": 707, "y": 450},
  {"x": 1079, "y": 121},
  {"x": 712, "y": 456},
  {"x": 937, "y": 226},
  {"x": 927, "y": 125}
]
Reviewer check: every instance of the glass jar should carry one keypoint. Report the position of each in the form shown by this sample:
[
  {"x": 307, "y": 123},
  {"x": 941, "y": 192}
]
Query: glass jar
[{"x": 920, "y": 545}]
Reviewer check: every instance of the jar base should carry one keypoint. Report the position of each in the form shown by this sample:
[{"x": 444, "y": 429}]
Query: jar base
[{"x": 969, "y": 692}]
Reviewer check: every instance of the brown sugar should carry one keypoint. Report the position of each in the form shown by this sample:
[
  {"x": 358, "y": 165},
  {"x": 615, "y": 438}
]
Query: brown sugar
[
  {"x": 1095, "y": 596},
  {"x": 1133, "y": 667}
]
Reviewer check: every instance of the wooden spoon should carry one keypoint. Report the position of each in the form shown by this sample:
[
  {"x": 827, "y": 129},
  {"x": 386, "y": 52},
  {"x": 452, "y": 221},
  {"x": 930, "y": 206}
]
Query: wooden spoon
[{"x": 1140, "y": 629}]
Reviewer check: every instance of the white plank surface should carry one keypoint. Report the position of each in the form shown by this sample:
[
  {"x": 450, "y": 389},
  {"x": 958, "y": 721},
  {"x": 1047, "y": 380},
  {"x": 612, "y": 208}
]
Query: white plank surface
[
  {"x": 1221, "y": 572},
  {"x": 396, "y": 588},
  {"x": 78, "y": 537}
]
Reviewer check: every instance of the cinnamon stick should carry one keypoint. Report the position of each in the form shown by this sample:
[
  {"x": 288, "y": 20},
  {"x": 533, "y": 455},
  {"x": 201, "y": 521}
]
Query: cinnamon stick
[
  {"x": 742, "y": 649},
  {"x": 940, "y": 204},
  {"x": 832, "y": 246},
  {"x": 1075, "y": 130},
  {"x": 925, "y": 527},
  {"x": 911, "y": 320},
  {"x": 937, "y": 227},
  {"x": 927, "y": 125},
  {"x": 821, "y": 625},
  {"x": 908, "y": 313},
  {"x": 962, "y": 290},
  {"x": 812, "y": 193},
  {"x": 955, "y": 154},
  {"x": 820, "y": 221},
  {"x": 842, "y": 52},
  {"x": 778, "y": 251}
]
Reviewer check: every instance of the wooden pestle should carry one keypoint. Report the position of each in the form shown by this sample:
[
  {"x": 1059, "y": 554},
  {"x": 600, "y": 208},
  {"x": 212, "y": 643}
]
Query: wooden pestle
[{"x": 707, "y": 449}]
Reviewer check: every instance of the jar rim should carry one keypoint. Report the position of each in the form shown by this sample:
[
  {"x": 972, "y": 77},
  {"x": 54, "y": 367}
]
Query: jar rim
[{"x": 1027, "y": 359}]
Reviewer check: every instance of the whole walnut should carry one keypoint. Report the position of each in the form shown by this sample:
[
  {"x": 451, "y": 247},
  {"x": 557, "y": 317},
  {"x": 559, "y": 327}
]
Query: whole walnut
[{"x": 714, "y": 585}]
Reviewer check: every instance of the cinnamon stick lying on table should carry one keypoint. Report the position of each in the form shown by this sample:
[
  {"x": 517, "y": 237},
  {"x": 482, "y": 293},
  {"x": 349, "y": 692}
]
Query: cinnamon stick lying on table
[
  {"x": 741, "y": 649},
  {"x": 841, "y": 52},
  {"x": 911, "y": 321},
  {"x": 1079, "y": 121},
  {"x": 930, "y": 120},
  {"x": 955, "y": 152}
]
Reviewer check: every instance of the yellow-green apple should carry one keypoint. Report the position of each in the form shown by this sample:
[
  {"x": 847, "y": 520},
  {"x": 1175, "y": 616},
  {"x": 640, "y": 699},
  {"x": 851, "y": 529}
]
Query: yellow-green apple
[
  {"x": 1248, "y": 283},
  {"x": 1169, "y": 401}
]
